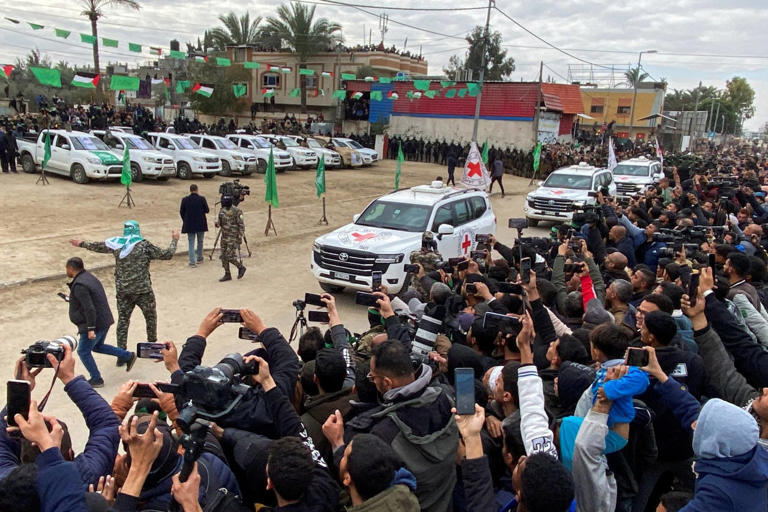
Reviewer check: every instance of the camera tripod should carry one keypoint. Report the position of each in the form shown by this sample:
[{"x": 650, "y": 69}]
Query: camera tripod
[
  {"x": 300, "y": 322},
  {"x": 218, "y": 236}
]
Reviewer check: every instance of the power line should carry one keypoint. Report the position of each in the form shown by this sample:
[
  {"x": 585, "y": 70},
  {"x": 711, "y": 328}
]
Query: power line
[{"x": 387, "y": 8}]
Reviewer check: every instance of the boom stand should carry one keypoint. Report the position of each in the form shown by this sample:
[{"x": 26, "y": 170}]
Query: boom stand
[
  {"x": 323, "y": 219},
  {"x": 270, "y": 223},
  {"x": 43, "y": 178},
  {"x": 218, "y": 235},
  {"x": 127, "y": 199}
]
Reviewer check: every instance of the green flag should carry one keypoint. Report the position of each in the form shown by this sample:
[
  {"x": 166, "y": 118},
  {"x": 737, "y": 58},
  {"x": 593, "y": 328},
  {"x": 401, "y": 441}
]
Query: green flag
[
  {"x": 47, "y": 76},
  {"x": 485, "y": 152},
  {"x": 181, "y": 85},
  {"x": 295, "y": 93},
  {"x": 473, "y": 88},
  {"x": 400, "y": 159},
  {"x": 447, "y": 83},
  {"x": 385, "y": 80},
  {"x": 35, "y": 26},
  {"x": 220, "y": 61},
  {"x": 536, "y": 157},
  {"x": 270, "y": 182},
  {"x": 112, "y": 43},
  {"x": 62, "y": 33},
  {"x": 251, "y": 65},
  {"x": 340, "y": 94},
  {"x": 124, "y": 83},
  {"x": 134, "y": 47},
  {"x": 430, "y": 94},
  {"x": 87, "y": 38},
  {"x": 320, "y": 176},
  {"x": 47, "y": 153},
  {"x": 421, "y": 85},
  {"x": 176, "y": 54},
  {"x": 462, "y": 93},
  {"x": 348, "y": 76},
  {"x": 125, "y": 177},
  {"x": 377, "y": 96},
  {"x": 450, "y": 93},
  {"x": 307, "y": 72},
  {"x": 239, "y": 90}
]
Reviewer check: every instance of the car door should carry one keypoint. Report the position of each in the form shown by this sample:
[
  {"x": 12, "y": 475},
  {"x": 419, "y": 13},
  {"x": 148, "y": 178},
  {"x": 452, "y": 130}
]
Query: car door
[
  {"x": 447, "y": 245},
  {"x": 612, "y": 191},
  {"x": 482, "y": 218},
  {"x": 165, "y": 146},
  {"x": 60, "y": 156}
]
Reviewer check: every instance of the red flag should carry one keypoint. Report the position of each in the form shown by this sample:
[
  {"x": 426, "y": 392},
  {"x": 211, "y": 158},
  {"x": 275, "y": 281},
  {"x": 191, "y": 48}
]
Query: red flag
[
  {"x": 7, "y": 70},
  {"x": 167, "y": 81}
]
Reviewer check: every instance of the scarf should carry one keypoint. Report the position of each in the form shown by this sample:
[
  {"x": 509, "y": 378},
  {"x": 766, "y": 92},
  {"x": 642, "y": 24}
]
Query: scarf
[{"x": 126, "y": 243}]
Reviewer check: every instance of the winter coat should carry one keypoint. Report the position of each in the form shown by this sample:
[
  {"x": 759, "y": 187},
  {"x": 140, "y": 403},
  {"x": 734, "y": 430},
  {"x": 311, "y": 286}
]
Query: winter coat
[
  {"x": 88, "y": 305},
  {"x": 397, "y": 498},
  {"x": 58, "y": 483},
  {"x": 193, "y": 209}
]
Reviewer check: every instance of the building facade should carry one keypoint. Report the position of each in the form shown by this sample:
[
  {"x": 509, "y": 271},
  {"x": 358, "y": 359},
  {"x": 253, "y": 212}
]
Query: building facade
[{"x": 604, "y": 106}]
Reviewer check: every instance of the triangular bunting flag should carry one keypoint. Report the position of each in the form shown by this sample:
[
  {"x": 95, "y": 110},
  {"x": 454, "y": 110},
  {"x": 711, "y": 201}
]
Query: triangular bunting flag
[
  {"x": 421, "y": 85},
  {"x": 47, "y": 76},
  {"x": 35, "y": 26},
  {"x": 450, "y": 93},
  {"x": 87, "y": 38},
  {"x": 385, "y": 80},
  {"x": 86, "y": 80},
  {"x": 462, "y": 93},
  {"x": 348, "y": 76},
  {"x": 220, "y": 61},
  {"x": 357, "y": 95},
  {"x": 430, "y": 94},
  {"x": 447, "y": 83},
  {"x": 339, "y": 94},
  {"x": 377, "y": 95},
  {"x": 124, "y": 83},
  {"x": 62, "y": 33},
  {"x": 7, "y": 69},
  {"x": 294, "y": 92},
  {"x": 368, "y": 79},
  {"x": 134, "y": 47},
  {"x": 251, "y": 65},
  {"x": 307, "y": 72},
  {"x": 203, "y": 89},
  {"x": 111, "y": 43},
  {"x": 239, "y": 90},
  {"x": 473, "y": 88},
  {"x": 176, "y": 54}
]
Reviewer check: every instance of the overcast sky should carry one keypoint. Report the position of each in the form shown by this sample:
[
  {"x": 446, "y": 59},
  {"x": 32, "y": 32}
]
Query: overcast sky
[{"x": 727, "y": 38}]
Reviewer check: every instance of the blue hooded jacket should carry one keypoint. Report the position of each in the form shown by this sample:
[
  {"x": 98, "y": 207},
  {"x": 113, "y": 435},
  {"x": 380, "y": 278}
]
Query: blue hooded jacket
[{"x": 732, "y": 467}]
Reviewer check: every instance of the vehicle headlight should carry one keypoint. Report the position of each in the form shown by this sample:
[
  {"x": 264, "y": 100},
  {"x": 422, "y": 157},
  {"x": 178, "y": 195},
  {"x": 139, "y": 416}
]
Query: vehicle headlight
[
  {"x": 198, "y": 159},
  {"x": 94, "y": 159},
  {"x": 238, "y": 158},
  {"x": 151, "y": 159},
  {"x": 316, "y": 247},
  {"x": 389, "y": 258}
]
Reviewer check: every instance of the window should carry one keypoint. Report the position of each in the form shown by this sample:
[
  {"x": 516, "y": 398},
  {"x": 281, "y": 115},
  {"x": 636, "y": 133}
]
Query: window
[
  {"x": 271, "y": 80},
  {"x": 478, "y": 207},
  {"x": 240, "y": 54},
  {"x": 165, "y": 143},
  {"x": 208, "y": 144},
  {"x": 596, "y": 109},
  {"x": 403, "y": 217},
  {"x": 310, "y": 82},
  {"x": 623, "y": 110},
  {"x": 442, "y": 216},
  {"x": 61, "y": 140},
  {"x": 461, "y": 212}
]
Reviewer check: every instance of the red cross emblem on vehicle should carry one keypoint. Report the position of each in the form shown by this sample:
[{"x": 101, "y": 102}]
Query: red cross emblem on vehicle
[
  {"x": 362, "y": 238},
  {"x": 465, "y": 244}
]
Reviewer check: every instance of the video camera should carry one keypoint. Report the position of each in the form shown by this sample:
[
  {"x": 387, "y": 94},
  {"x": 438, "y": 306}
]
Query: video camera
[
  {"x": 36, "y": 354},
  {"x": 235, "y": 190}
]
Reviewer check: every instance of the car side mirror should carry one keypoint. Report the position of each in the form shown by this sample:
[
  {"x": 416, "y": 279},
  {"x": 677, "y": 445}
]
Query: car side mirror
[
  {"x": 119, "y": 146},
  {"x": 444, "y": 229},
  {"x": 539, "y": 183},
  {"x": 65, "y": 147},
  {"x": 249, "y": 146},
  {"x": 355, "y": 217},
  {"x": 171, "y": 148},
  {"x": 591, "y": 194}
]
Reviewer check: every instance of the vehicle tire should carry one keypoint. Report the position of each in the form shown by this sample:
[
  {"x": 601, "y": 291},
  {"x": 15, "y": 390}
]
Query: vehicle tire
[
  {"x": 261, "y": 167},
  {"x": 28, "y": 164},
  {"x": 78, "y": 174},
  {"x": 162, "y": 178},
  {"x": 209, "y": 175},
  {"x": 343, "y": 165},
  {"x": 226, "y": 170},
  {"x": 532, "y": 223},
  {"x": 184, "y": 171},
  {"x": 136, "y": 175},
  {"x": 331, "y": 288}
]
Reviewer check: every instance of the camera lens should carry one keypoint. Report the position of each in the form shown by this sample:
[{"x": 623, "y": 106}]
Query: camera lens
[
  {"x": 231, "y": 365},
  {"x": 67, "y": 340}
]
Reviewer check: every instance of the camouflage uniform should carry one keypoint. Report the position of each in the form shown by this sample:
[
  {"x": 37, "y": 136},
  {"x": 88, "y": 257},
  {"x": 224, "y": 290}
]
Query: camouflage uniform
[
  {"x": 427, "y": 258},
  {"x": 133, "y": 285},
  {"x": 232, "y": 231}
]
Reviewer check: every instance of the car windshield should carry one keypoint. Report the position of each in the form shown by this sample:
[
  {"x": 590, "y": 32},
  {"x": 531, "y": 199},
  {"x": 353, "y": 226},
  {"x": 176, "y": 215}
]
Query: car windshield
[
  {"x": 312, "y": 143},
  {"x": 403, "y": 217},
  {"x": 137, "y": 143},
  {"x": 569, "y": 181},
  {"x": 339, "y": 144},
  {"x": 224, "y": 144},
  {"x": 184, "y": 143},
  {"x": 89, "y": 143},
  {"x": 631, "y": 170},
  {"x": 289, "y": 142},
  {"x": 259, "y": 142},
  {"x": 353, "y": 144}
]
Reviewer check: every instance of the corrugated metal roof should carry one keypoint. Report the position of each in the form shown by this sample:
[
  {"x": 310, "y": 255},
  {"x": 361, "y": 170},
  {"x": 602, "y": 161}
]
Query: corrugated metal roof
[
  {"x": 552, "y": 101},
  {"x": 570, "y": 96}
]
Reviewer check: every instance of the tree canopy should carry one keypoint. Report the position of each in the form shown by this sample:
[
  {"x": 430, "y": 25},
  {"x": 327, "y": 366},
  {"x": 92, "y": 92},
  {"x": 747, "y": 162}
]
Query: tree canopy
[
  {"x": 735, "y": 103},
  {"x": 236, "y": 32},
  {"x": 497, "y": 65}
]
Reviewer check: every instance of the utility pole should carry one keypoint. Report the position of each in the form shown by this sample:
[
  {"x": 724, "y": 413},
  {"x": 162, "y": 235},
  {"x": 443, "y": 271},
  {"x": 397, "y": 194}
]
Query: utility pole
[
  {"x": 383, "y": 20},
  {"x": 709, "y": 117},
  {"x": 634, "y": 95},
  {"x": 691, "y": 128},
  {"x": 717, "y": 114},
  {"x": 537, "y": 109},
  {"x": 482, "y": 71}
]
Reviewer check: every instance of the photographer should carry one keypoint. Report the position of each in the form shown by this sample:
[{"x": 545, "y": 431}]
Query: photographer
[
  {"x": 98, "y": 456},
  {"x": 251, "y": 413}
]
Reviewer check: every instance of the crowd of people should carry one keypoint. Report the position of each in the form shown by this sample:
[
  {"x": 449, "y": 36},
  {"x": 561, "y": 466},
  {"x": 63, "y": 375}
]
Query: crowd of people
[{"x": 618, "y": 366}]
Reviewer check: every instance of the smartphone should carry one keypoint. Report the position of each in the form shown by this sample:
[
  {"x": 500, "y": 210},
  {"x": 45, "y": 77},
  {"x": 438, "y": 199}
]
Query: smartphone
[
  {"x": 464, "y": 382},
  {"x": 366, "y": 299},
  {"x": 231, "y": 316},
  {"x": 245, "y": 333},
  {"x": 525, "y": 270},
  {"x": 693, "y": 288},
  {"x": 483, "y": 239},
  {"x": 144, "y": 391},
  {"x": 150, "y": 350},
  {"x": 495, "y": 319},
  {"x": 318, "y": 316},
  {"x": 571, "y": 268},
  {"x": 478, "y": 255},
  {"x": 411, "y": 269},
  {"x": 63, "y": 296},
  {"x": 313, "y": 299},
  {"x": 464, "y": 265},
  {"x": 712, "y": 261},
  {"x": 514, "y": 289},
  {"x": 636, "y": 357},
  {"x": 471, "y": 288},
  {"x": 453, "y": 262},
  {"x": 19, "y": 396},
  {"x": 376, "y": 280},
  {"x": 518, "y": 223}
]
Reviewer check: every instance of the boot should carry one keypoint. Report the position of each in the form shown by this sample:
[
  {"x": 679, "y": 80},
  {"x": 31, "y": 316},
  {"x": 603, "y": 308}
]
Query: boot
[
  {"x": 227, "y": 277},
  {"x": 241, "y": 272}
]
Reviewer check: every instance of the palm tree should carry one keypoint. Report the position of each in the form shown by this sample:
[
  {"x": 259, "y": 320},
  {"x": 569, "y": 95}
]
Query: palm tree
[
  {"x": 634, "y": 76},
  {"x": 236, "y": 31},
  {"x": 93, "y": 11},
  {"x": 296, "y": 27}
]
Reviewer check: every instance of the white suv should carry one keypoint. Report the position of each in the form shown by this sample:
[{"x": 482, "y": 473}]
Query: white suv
[
  {"x": 261, "y": 147},
  {"x": 633, "y": 176},
  {"x": 370, "y": 156},
  {"x": 189, "y": 158},
  {"x": 555, "y": 198},
  {"x": 233, "y": 159},
  {"x": 390, "y": 228},
  {"x": 302, "y": 157}
]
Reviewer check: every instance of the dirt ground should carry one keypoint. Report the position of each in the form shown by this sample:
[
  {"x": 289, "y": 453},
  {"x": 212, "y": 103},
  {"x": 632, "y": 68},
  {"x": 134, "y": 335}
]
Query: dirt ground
[{"x": 39, "y": 220}]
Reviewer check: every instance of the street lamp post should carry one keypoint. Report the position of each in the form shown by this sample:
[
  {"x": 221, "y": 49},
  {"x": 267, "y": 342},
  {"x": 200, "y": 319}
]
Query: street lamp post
[{"x": 634, "y": 96}]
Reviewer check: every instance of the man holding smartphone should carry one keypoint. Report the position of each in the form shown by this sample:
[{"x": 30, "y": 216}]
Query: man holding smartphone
[{"x": 89, "y": 311}]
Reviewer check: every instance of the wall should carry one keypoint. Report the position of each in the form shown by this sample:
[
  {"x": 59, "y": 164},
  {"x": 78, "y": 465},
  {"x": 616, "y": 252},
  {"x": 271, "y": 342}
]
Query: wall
[
  {"x": 649, "y": 101},
  {"x": 497, "y": 133}
]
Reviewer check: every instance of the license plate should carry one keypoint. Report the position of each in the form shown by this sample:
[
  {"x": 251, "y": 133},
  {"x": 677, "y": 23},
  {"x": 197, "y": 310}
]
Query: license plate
[
  {"x": 340, "y": 275},
  {"x": 549, "y": 213}
]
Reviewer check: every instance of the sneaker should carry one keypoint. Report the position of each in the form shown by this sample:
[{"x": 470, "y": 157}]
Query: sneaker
[
  {"x": 120, "y": 362},
  {"x": 192, "y": 265},
  {"x": 130, "y": 362},
  {"x": 240, "y": 272},
  {"x": 200, "y": 260},
  {"x": 227, "y": 277},
  {"x": 96, "y": 383}
]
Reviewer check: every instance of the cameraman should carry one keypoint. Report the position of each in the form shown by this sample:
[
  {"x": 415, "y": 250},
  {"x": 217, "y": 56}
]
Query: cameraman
[
  {"x": 251, "y": 414},
  {"x": 98, "y": 457}
]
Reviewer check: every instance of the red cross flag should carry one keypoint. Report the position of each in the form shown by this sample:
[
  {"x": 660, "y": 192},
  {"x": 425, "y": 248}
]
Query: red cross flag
[{"x": 475, "y": 174}]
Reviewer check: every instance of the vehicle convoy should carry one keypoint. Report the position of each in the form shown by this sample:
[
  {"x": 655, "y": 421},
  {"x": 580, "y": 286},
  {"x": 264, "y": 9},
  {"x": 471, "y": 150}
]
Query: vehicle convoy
[
  {"x": 635, "y": 175},
  {"x": 566, "y": 190},
  {"x": 383, "y": 236},
  {"x": 189, "y": 157},
  {"x": 79, "y": 155},
  {"x": 331, "y": 158},
  {"x": 302, "y": 157},
  {"x": 146, "y": 161},
  {"x": 349, "y": 157},
  {"x": 233, "y": 159},
  {"x": 260, "y": 147}
]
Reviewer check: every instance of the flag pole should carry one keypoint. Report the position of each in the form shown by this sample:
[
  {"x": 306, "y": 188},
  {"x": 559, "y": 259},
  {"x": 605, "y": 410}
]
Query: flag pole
[
  {"x": 127, "y": 199},
  {"x": 323, "y": 219},
  {"x": 270, "y": 223},
  {"x": 43, "y": 179}
]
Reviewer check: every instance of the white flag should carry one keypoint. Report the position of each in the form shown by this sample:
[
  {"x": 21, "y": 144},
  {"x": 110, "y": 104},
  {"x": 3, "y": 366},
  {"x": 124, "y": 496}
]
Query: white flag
[
  {"x": 475, "y": 173},
  {"x": 659, "y": 154},
  {"x": 612, "y": 163}
]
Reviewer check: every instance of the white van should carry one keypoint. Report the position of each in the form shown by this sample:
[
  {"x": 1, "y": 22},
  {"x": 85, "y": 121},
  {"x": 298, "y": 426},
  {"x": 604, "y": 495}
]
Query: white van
[
  {"x": 633, "y": 176},
  {"x": 187, "y": 155},
  {"x": 565, "y": 190},
  {"x": 391, "y": 227}
]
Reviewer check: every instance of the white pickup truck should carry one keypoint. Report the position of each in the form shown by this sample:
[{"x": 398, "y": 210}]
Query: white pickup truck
[
  {"x": 233, "y": 159},
  {"x": 261, "y": 147},
  {"x": 146, "y": 161},
  {"x": 189, "y": 158},
  {"x": 79, "y": 155}
]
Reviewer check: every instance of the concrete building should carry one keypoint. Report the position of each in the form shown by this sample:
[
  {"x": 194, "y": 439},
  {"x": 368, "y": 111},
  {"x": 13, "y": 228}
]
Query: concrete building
[{"x": 607, "y": 105}]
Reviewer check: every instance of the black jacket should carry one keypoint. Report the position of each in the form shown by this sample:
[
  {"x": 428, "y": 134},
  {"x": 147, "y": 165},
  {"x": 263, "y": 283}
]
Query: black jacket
[
  {"x": 88, "y": 306},
  {"x": 193, "y": 209}
]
